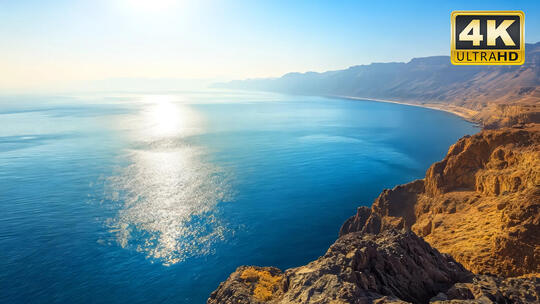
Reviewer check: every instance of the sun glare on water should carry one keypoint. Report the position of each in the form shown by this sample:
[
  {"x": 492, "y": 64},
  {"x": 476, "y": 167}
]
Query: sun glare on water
[
  {"x": 168, "y": 192},
  {"x": 166, "y": 118}
]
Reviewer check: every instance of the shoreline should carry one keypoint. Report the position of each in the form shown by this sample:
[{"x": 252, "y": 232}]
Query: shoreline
[{"x": 466, "y": 114}]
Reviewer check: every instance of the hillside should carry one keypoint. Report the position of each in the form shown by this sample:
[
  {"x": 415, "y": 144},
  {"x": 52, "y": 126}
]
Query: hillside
[
  {"x": 481, "y": 203},
  {"x": 492, "y": 95}
]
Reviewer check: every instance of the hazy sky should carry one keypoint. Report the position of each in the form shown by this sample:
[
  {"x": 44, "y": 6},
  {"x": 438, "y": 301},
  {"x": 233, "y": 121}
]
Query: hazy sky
[{"x": 51, "y": 43}]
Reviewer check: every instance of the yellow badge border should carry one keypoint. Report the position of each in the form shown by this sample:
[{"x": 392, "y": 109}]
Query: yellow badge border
[{"x": 521, "y": 50}]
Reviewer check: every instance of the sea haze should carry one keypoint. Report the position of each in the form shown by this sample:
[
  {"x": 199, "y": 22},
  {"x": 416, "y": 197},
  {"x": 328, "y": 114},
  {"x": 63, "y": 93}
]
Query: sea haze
[{"x": 156, "y": 198}]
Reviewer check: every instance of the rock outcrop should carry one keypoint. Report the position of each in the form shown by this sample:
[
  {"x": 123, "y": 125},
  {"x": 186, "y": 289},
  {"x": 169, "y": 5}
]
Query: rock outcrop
[
  {"x": 389, "y": 267},
  {"x": 357, "y": 268},
  {"x": 481, "y": 203},
  {"x": 489, "y": 289}
]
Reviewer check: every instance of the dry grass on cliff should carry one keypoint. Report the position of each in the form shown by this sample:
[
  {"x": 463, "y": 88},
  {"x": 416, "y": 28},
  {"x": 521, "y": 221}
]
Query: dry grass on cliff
[{"x": 264, "y": 283}]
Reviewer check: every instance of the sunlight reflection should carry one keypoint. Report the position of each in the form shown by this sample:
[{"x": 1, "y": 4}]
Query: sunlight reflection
[
  {"x": 168, "y": 192},
  {"x": 165, "y": 117}
]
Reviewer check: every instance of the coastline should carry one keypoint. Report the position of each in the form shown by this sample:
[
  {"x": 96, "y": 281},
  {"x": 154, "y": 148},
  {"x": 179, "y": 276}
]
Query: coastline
[{"x": 464, "y": 113}]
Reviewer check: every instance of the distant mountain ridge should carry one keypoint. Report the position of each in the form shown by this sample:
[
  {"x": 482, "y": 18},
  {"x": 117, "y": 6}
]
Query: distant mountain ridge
[{"x": 476, "y": 92}]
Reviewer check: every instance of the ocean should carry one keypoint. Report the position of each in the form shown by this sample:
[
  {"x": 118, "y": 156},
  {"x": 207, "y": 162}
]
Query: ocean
[{"x": 157, "y": 198}]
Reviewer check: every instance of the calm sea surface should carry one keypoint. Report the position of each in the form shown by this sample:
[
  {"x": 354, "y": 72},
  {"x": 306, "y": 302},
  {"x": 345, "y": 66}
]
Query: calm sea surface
[{"x": 148, "y": 198}]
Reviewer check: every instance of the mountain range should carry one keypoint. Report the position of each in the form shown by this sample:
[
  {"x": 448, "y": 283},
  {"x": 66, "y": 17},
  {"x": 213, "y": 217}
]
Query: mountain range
[{"x": 494, "y": 96}]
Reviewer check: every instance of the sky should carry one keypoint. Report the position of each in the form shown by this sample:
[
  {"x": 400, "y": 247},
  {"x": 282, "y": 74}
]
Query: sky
[{"x": 55, "y": 44}]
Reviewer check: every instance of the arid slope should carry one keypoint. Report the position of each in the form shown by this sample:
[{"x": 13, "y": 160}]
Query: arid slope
[{"x": 481, "y": 203}]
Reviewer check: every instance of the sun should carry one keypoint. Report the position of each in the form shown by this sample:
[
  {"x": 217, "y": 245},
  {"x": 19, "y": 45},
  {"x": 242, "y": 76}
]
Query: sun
[{"x": 151, "y": 5}]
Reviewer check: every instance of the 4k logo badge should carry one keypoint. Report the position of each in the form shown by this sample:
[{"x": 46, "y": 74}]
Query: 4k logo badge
[{"x": 488, "y": 37}]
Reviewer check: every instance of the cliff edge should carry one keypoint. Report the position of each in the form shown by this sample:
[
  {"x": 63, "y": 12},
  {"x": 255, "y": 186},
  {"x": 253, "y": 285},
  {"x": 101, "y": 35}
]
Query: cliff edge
[
  {"x": 389, "y": 267},
  {"x": 357, "y": 268},
  {"x": 481, "y": 203}
]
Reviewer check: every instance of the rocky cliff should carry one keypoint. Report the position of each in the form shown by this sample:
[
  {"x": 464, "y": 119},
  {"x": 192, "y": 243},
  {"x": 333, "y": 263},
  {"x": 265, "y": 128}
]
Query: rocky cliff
[
  {"x": 478, "y": 207},
  {"x": 389, "y": 267},
  {"x": 481, "y": 203},
  {"x": 357, "y": 268}
]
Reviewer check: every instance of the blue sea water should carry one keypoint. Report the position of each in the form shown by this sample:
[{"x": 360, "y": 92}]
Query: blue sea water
[{"x": 156, "y": 198}]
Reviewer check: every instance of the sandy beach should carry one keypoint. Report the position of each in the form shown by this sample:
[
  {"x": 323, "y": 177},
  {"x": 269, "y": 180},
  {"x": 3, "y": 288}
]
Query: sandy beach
[{"x": 464, "y": 113}]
